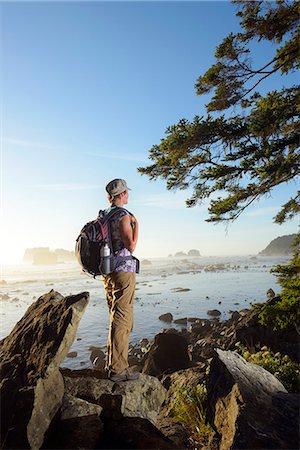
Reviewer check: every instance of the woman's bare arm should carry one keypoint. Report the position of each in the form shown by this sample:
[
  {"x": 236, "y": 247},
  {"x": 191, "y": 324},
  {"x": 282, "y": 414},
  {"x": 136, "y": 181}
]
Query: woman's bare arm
[{"x": 129, "y": 233}]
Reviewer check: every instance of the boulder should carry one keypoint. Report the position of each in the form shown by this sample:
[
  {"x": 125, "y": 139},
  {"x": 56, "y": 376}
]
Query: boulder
[
  {"x": 250, "y": 332},
  {"x": 75, "y": 407},
  {"x": 144, "y": 342},
  {"x": 168, "y": 353},
  {"x": 176, "y": 431},
  {"x": 214, "y": 312},
  {"x": 134, "y": 360},
  {"x": 270, "y": 293},
  {"x": 31, "y": 386},
  {"x": 180, "y": 289},
  {"x": 200, "y": 328},
  {"x": 77, "y": 425},
  {"x": 193, "y": 319},
  {"x": 72, "y": 355},
  {"x": 182, "y": 321},
  {"x": 97, "y": 357},
  {"x": 134, "y": 433},
  {"x": 204, "y": 348},
  {"x": 167, "y": 317},
  {"x": 81, "y": 432},
  {"x": 141, "y": 398},
  {"x": 248, "y": 407},
  {"x": 235, "y": 315}
]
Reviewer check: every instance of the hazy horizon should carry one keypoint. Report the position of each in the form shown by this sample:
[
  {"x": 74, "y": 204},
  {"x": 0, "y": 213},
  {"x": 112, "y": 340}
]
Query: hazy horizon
[{"x": 140, "y": 256}]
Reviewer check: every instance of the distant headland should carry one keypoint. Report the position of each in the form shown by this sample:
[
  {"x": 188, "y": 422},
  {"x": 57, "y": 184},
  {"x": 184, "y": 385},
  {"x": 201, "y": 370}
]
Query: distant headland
[
  {"x": 279, "y": 246},
  {"x": 43, "y": 255}
]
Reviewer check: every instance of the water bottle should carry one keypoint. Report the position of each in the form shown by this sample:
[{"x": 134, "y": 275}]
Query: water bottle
[{"x": 105, "y": 255}]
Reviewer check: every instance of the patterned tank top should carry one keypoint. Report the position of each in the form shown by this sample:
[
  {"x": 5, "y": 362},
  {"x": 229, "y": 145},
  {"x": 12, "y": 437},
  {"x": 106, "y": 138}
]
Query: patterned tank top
[{"x": 128, "y": 265}]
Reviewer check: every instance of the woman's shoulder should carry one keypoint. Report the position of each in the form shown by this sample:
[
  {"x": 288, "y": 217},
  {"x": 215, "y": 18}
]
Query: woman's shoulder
[{"x": 123, "y": 212}]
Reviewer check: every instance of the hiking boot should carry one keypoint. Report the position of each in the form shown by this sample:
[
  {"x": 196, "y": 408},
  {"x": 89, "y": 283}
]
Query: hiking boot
[
  {"x": 126, "y": 375},
  {"x": 132, "y": 376}
]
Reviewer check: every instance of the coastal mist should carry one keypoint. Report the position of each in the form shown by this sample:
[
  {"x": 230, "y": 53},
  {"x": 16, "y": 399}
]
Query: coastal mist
[{"x": 187, "y": 288}]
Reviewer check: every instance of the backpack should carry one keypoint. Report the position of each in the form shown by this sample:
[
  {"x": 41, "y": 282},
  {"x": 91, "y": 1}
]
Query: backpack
[{"x": 92, "y": 238}]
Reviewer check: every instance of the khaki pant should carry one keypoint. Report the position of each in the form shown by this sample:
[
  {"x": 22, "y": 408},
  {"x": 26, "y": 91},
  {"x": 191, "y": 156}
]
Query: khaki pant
[{"x": 119, "y": 287}]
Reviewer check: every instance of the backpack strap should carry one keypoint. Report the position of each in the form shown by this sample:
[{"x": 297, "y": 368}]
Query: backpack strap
[{"x": 103, "y": 220}]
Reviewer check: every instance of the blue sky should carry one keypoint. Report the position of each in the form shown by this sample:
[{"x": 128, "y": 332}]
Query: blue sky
[{"x": 87, "y": 89}]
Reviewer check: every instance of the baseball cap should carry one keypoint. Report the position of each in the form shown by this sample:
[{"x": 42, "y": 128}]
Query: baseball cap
[{"x": 116, "y": 187}]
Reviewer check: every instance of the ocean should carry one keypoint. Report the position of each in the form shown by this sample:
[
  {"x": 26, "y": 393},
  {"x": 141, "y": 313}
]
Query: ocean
[{"x": 184, "y": 287}]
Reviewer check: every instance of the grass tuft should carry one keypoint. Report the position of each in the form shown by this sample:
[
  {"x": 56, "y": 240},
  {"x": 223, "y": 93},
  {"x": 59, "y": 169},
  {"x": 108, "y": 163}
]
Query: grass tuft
[
  {"x": 281, "y": 366},
  {"x": 190, "y": 408}
]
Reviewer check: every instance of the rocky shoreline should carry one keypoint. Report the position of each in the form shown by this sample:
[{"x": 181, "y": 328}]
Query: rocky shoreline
[{"x": 49, "y": 407}]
